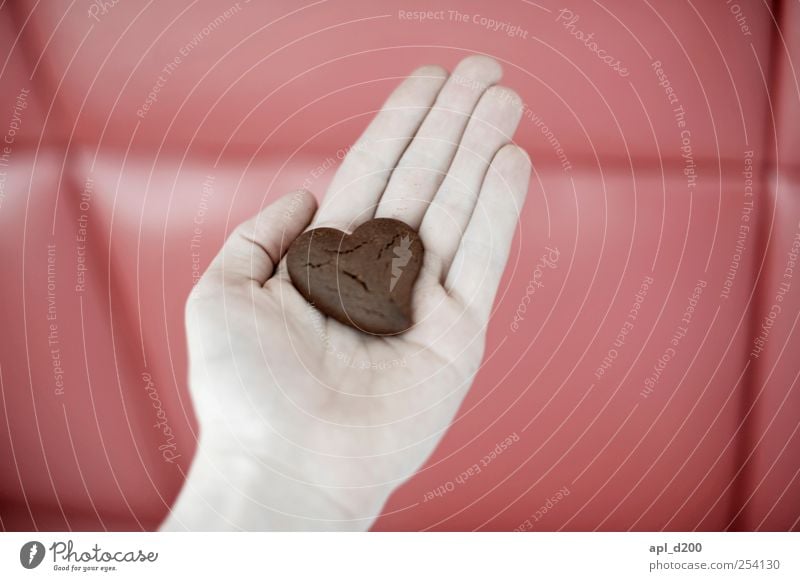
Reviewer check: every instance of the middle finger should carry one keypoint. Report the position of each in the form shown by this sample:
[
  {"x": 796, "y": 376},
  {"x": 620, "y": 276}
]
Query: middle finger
[{"x": 424, "y": 164}]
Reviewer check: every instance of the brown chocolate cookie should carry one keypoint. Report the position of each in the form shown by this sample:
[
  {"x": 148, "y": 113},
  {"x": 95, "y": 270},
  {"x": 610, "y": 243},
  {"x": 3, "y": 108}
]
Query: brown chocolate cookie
[{"x": 364, "y": 280}]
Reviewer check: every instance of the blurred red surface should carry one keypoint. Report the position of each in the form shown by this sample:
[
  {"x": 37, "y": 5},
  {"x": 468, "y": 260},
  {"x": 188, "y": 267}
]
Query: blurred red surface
[{"x": 254, "y": 97}]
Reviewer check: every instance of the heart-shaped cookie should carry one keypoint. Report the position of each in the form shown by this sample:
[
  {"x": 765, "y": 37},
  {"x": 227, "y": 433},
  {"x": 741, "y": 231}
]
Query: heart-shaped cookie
[{"x": 364, "y": 279}]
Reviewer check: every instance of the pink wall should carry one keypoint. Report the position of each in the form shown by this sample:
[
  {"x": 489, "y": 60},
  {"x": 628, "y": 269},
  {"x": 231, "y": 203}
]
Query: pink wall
[{"x": 271, "y": 92}]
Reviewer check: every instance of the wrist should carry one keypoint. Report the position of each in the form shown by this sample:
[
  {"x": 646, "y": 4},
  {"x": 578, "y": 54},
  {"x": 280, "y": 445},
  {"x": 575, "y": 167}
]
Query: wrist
[{"x": 232, "y": 487}]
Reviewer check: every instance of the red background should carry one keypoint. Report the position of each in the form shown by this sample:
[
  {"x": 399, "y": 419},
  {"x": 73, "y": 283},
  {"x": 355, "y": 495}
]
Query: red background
[{"x": 272, "y": 92}]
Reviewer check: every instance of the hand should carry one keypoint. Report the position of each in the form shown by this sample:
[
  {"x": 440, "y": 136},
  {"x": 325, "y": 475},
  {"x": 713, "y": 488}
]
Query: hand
[{"x": 306, "y": 423}]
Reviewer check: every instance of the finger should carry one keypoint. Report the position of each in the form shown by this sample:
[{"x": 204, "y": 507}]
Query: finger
[
  {"x": 492, "y": 125},
  {"x": 423, "y": 165},
  {"x": 481, "y": 257},
  {"x": 354, "y": 192},
  {"x": 257, "y": 245}
]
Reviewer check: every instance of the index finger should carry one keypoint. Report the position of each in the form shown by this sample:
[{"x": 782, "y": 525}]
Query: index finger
[{"x": 255, "y": 247}]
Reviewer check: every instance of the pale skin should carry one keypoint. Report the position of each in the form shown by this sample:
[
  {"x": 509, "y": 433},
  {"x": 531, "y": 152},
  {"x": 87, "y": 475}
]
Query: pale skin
[{"x": 306, "y": 423}]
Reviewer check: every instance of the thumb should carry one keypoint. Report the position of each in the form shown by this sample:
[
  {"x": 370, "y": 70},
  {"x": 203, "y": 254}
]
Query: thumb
[{"x": 256, "y": 246}]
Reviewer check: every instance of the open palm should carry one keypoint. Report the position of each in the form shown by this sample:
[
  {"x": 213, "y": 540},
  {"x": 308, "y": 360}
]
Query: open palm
[{"x": 307, "y": 423}]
